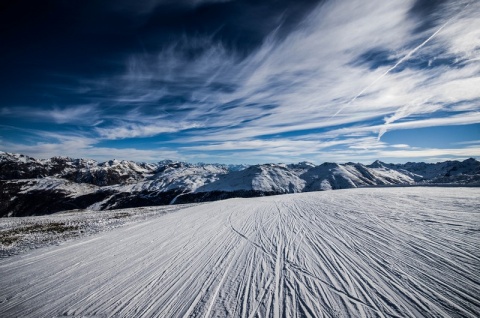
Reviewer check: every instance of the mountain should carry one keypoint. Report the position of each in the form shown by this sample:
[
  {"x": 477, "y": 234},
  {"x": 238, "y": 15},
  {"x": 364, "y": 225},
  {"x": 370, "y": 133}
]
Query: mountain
[
  {"x": 272, "y": 178},
  {"x": 454, "y": 172},
  {"x": 17, "y": 166},
  {"x": 30, "y": 186}
]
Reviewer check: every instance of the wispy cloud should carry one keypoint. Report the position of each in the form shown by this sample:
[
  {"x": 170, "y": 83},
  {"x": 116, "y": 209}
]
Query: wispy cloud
[
  {"x": 330, "y": 87},
  {"x": 77, "y": 114},
  {"x": 82, "y": 147},
  {"x": 312, "y": 74},
  {"x": 129, "y": 130},
  {"x": 473, "y": 142}
]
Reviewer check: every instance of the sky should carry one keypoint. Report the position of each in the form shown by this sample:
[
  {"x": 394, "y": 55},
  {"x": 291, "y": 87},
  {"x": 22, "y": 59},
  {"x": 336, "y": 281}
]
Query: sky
[{"x": 247, "y": 81}]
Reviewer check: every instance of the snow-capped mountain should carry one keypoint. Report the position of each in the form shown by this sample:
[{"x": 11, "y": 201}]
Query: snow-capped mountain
[
  {"x": 31, "y": 186},
  {"x": 455, "y": 172},
  {"x": 330, "y": 176},
  {"x": 272, "y": 178},
  {"x": 16, "y": 166}
]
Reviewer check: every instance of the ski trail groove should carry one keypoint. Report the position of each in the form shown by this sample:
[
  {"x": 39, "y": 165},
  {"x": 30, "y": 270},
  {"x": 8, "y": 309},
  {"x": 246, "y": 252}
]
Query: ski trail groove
[{"x": 278, "y": 278}]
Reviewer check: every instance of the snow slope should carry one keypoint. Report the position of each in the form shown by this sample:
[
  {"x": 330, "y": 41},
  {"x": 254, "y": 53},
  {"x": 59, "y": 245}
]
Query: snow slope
[
  {"x": 266, "y": 178},
  {"x": 54, "y": 184},
  {"x": 403, "y": 252},
  {"x": 181, "y": 176},
  {"x": 21, "y": 234}
]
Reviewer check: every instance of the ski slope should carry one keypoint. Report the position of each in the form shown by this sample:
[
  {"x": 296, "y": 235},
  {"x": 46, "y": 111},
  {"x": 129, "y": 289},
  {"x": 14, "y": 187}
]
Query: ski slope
[{"x": 396, "y": 252}]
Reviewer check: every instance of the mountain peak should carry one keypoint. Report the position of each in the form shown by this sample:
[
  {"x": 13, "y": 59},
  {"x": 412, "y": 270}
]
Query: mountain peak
[
  {"x": 377, "y": 164},
  {"x": 471, "y": 161}
]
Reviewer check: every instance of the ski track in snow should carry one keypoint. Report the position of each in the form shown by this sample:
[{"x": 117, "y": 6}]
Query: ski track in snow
[{"x": 403, "y": 252}]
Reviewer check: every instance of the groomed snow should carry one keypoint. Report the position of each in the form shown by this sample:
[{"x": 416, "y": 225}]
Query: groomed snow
[
  {"x": 72, "y": 224},
  {"x": 401, "y": 252}
]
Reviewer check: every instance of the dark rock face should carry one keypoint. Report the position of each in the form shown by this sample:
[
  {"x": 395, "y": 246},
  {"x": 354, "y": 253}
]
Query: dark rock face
[
  {"x": 125, "y": 200},
  {"x": 35, "y": 187},
  {"x": 15, "y": 202},
  {"x": 104, "y": 177}
]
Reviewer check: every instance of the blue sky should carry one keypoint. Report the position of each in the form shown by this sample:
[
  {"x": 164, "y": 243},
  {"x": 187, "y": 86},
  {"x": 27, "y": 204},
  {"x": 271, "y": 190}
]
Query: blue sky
[{"x": 242, "y": 81}]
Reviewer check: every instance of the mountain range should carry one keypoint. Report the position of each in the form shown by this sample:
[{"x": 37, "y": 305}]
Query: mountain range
[{"x": 30, "y": 186}]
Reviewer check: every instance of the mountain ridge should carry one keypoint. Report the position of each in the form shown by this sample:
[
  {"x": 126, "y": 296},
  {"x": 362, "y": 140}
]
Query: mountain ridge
[{"x": 30, "y": 186}]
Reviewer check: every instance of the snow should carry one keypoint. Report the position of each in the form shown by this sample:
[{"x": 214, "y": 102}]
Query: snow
[
  {"x": 188, "y": 178},
  {"x": 377, "y": 252},
  {"x": 267, "y": 178},
  {"x": 75, "y": 224},
  {"x": 8, "y": 157},
  {"x": 49, "y": 183}
]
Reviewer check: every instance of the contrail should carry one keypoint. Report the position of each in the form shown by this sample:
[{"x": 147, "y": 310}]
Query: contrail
[{"x": 403, "y": 59}]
